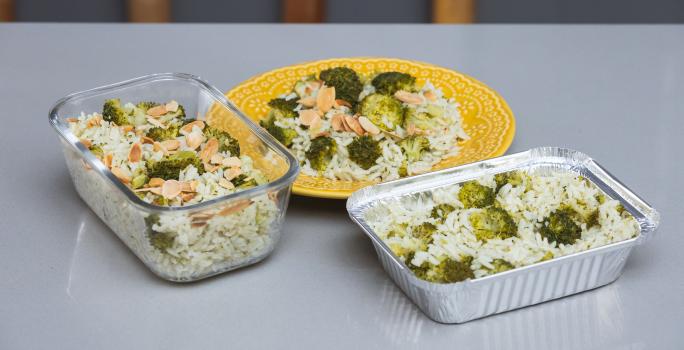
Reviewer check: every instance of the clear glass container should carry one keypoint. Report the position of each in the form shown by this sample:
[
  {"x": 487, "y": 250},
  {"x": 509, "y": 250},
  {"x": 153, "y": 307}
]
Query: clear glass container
[{"x": 206, "y": 238}]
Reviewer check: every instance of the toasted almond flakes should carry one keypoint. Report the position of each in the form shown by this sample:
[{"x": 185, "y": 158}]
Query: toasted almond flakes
[
  {"x": 157, "y": 111},
  {"x": 231, "y": 173},
  {"x": 127, "y": 128},
  {"x": 170, "y": 145},
  {"x": 408, "y": 97},
  {"x": 339, "y": 103},
  {"x": 121, "y": 175},
  {"x": 85, "y": 142},
  {"x": 216, "y": 159},
  {"x": 135, "y": 154},
  {"x": 148, "y": 140},
  {"x": 193, "y": 185},
  {"x": 354, "y": 125},
  {"x": 307, "y": 116},
  {"x": 210, "y": 149},
  {"x": 194, "y": 139},
  {"x": 108, "y": 160},
  {"x": 235, "y": 208},
  {"x": 156, "y": 182},
  {"x": 232, "y": 162},
  {"x": 337, "y": 123},
  {"x": 186, "y": 187},
  {"x": 187, "y": 128},
  {"x": 325, "y": 98},
  {"x": 226, "y": 184},
  {"x": 171, "y": 189},
  {"x": 309, "y": 101},
  {"x": 187, "y": 196},
  {"x": 72, "y": 120},
  {"x": 155, "y": 122},
  {"x": 172, "y": 106},
  {"x": 367, "y": 125}
]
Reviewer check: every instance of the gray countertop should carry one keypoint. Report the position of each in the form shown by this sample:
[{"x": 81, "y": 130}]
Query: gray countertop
[{"x": 66, "y": 281}]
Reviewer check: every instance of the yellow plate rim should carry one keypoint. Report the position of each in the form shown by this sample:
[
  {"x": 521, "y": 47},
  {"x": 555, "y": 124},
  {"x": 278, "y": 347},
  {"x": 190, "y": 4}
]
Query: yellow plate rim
[{"x": 506, "y": 140}]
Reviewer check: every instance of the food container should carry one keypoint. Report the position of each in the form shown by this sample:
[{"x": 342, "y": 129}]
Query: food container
[
  {"x": 522, "y": 286},
  {"x": 246, "y": 224}
]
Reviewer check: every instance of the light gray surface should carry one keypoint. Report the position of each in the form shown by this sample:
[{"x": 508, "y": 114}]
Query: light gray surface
[{"x": 66, "y": 281}]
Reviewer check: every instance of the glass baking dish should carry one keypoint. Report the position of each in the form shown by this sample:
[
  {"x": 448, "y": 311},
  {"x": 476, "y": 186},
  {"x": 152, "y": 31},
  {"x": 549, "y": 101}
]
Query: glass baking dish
[
  {"x": 209, "y": 237},
  {"x": 520, "y": 286}
]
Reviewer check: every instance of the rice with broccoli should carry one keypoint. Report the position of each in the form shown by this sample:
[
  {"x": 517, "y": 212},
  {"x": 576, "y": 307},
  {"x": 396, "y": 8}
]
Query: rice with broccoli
[
  {"x": 497, "y": 223},
  {"x": 169, "y": 160},
  {"x": 344, "y": 126}
]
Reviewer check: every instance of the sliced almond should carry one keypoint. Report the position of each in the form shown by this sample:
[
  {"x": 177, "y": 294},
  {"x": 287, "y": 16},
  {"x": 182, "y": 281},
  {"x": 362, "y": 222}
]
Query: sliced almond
[
  {"x": 172, "y": 106},
  {"x": 392, "y": 135},
  {"x": 127, "y": 128},
  {"x": 147, "y": 140},
  {"x": 171, "y": 189},
  {"x": 430, "y": 95},
  {"x": 235, "y": 208},
  {"x": 232, "y": 173},
  {"x": 337, "y": 122},
  {"x": 309, "y": 101},
  {"x": 188, "y": 196},
  {"x": 325, "y": 98},
  {"x": 85, "y": 142},
  {"x": 108, "y": 160},
  {"x": 210, "y": 167},
  {"x": 367, "y": 125},
  {"x": 193, "y": 185},
  {"x": 72, "y": 120},
  {"x": 346, "y": 126},
  {"x": 210, "y": 149},
  {"x": 339, "y": 103},
  {"x": 307, "y": 116},
  {"x": 135, "y": 154},
  {"x": 232, "y": 162},
  {"x": 354, "y": 124},
  {"x": 96, "y": 120},
  {"x": 157, "y": 111},
  {"x": 194, "y": 139},
  {"x": 408, "y": 97},
  {"x": 170, "y": 145},
  {"x": 155, "y": 122},
  {"x": 155, "y": 190},
  {"x": 216, "y": 159},
  {"x": 155, "y": 182},
  {"x": 186, "y": 187},
  {"x": 121, "y": 175},
  {"x": 226, "y": 184},
  {"x": 187, "y": 128}
]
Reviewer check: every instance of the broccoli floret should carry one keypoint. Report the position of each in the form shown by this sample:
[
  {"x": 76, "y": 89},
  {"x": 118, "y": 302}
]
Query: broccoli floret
[
  {"x": 515, "y": 178},
  {"x": 159, "y": 240},
  {"x": 492, "y": 223},
  {"x": 390, "y": 82},
  {"x": 145, "y": 105},
  {"x": 320, "y": 152},
  {"x": 384, "y": 111},
  {"x": 414, "y": 146},
  {"x": 170, "y": 166},
  {"x": 160, "y": 134},
  {"x": 440, "y": 211},
  {"x": 420, "y": 271},
  {"x": 283, "y": 135},
  {"x": 501, "y": 265},
  {"x": 112, "y": 111},
  {"x": 474, "y": 195},
  {"x": 243, "y": 181},
  {"x": 451, "y": 271},
  {"x": 226, "y": 142},
  {"x": 282, "y": 108},
  {"x": 424, "y": 231},
  {"x": 347, "y": 84},
  {"x": 364, "y": 151},
  {"x": 560, "y": 227}
]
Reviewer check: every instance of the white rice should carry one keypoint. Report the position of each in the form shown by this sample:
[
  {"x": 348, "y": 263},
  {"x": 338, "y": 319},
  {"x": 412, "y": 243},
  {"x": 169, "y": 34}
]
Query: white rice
[{"x": 528, "y": 204}]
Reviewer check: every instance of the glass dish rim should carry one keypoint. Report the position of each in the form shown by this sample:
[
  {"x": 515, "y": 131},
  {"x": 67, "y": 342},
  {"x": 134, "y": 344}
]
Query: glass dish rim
[{"x": 96, "y": 165}]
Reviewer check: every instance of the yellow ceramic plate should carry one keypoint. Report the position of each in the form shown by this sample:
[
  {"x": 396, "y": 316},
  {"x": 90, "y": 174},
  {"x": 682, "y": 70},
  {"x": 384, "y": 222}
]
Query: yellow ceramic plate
[{"x": 486, "y": 116}]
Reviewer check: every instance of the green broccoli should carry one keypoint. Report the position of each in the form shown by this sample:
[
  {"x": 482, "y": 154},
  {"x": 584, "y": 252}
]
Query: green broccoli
[
  {"x": 243, "y": 181},
  {"x": 170, "y": 166},
  {"x": 283, "y": 135},
  {"x": 226, "y": 142},
  {"x": 424, "y": 120},
  {"x": 501, "y": 265},
  {"x": 320, "y": 152},
  {"x": 145, "y": 105},
  {"x": 384, "y": 111},
  {"x": 589, "y": 217},
  {"x": 560, "y": 227},
  {"x": 390, "y": 82},
  {"x": 160, "y": 134},
  {"x": 302, "y": 87},
  {"x": 474, "y": 195},
  {"x": 282, "y": 108},
  {"x": 113, "y": 112},
  {"x": 364, "y": 151},
  {"x": 420, "y": 271},
  {"x": 492, "y": 223},
  {"x": 515, "y": 178},
  {"x": 424, "y": 232},
  {"x": 440, "y": 211},
  {"x": 414, "y": 146},
  {"x": 159, "y": 240},
  {"x": 347, "y": 84},
  {"x": 403, "y": 169},
  {"x": 451, "y": 271}
]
